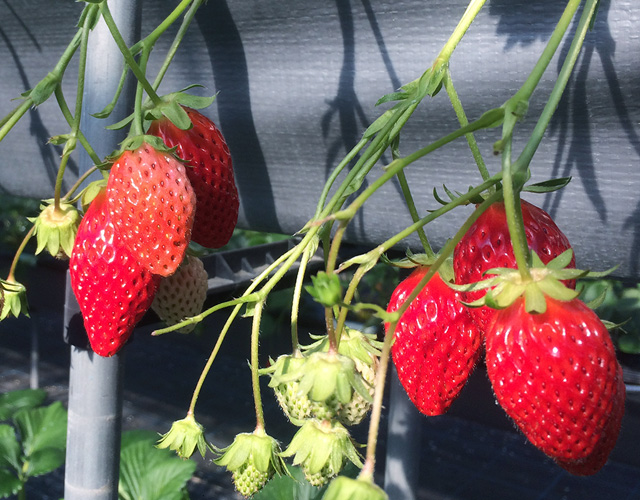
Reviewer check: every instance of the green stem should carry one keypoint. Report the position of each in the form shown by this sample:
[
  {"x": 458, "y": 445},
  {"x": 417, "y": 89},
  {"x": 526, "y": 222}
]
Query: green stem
[
  {"x": 79, "y": 182},
  {"x": 561, "y": 82},
  {"x": 297, "y": 293},
  {"x": 75, "y": 126},
  {"x": 467, "y": 18},
  {"x": 462, "y": 119},
  {"x": 155, "y": 34},
  {"x": 255, "y": 364},
  {"x": 16, "y": 257},
  {"x": 62, "y": 104},
  {"x": 549, "y": 51},
  {"x": 126, "y": 53},
  {"x": 14, "y": 117},
  {"x": 404, "y": 185},
  {"x": 395, "y": 166}
]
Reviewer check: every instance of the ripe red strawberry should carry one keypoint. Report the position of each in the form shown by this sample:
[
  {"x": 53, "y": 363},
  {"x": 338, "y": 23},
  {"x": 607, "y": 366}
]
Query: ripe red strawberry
[
  {"x": 211, "y": 175},
  {"x": 112, "y": 288},
  {"x": 152, "y": 204},
  {"x": 436, "y": 343},
  {"x": 556, "y": 375},
  {"x": 182, "y": 294},
  {"x": 487, "y": 245}
]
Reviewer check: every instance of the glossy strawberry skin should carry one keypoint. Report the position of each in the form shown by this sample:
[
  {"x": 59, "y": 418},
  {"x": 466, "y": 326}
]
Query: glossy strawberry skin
[
  {"x": 152, "y": 204},
  {"x": 436, "y": 343},
  {"x": 556, "y": 375},
  {"x": 210, "y": 170},
  {"x": 112, "y": 288},
  {"x": 487, "y": 245}
]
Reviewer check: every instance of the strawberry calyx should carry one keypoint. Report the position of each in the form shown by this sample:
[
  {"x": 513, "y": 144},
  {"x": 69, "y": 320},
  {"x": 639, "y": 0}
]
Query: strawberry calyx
[
  {"x": 56, "y": 228},
  {"x": 183, "y": 438},
  {"x": 354, "y": 344},
  {"x": 321, "y": 448},
  {"x": 354, "y": 489},
  {"x": 253, "y": 458},
  {"x": 13, "y": 299},
  {"x": 507, "y": 284}
]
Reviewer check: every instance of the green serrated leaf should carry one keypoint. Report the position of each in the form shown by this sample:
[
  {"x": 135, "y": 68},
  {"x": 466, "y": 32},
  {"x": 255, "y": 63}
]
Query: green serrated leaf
[
  {"x": 151, "y": 473},
  {"x": 14, "y": 401},
  {"x": 9, "y": 484},
  {"x": 44, "y": 461},
  {"x": 10, "y": 449},
  {"x": 42, "y": 428}
]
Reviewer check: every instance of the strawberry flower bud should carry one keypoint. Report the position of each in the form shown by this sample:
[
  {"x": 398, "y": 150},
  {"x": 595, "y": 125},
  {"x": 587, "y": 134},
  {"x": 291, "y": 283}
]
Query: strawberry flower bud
[
  {"x": 345, "y": 488},
  {"x": 253, "y": 458},
  {"x": 321, "y": 448},
  {"x": 13, "y": 299},
  {"x": 183, "y": 437},
  {"x": 56, "y": 229}
]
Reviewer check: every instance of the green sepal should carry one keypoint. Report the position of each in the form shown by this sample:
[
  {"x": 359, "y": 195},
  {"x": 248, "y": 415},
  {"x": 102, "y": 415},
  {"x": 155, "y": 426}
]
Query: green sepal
[
  {"x": 91, "y": 191},
  {"x": 43, "y": 90},
  {"x": 547, "y": 186},
  {"x": 257, "y": 449},
  {"x": 322, "y": 443},
  {"x": 326, "y": 289},
  {"x": 345, "y": 488},
  {"x": 13, "y": 298},
  {"x": 134, "y": 142},
  {"x": 56, "y": 228},
  {"x": 183, "y": 438}
]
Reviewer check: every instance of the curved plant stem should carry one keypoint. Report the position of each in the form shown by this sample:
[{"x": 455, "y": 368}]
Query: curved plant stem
[
  {"x": 16, "y": 257},
  {"x": 126, "y": 53},
  {"x": 62, "y": 104},
  {"x": 79, "y": 182},
  {"x": 462, "y": 119},
  {"x": 255, "y": 365}
]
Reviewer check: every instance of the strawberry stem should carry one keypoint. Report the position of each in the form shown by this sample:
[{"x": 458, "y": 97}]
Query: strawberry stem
[
  {"x": 558, "y": 89},
  {"x": 255, "y": 364},
  {"x": 126, "y": 53},
  {"x": 462, "y": 119},
  {"x": 16, "y": 257}
]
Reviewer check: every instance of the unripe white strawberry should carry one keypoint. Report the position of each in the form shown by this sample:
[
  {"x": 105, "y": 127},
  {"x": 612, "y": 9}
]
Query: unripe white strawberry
[{"x": 182, "y": 294}]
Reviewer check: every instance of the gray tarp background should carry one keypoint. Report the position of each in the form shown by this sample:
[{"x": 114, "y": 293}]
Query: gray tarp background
[{"x": 298, "y": 80}]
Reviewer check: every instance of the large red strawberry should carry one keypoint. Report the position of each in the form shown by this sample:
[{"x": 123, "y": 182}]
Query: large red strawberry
[
  {"x": 211, "y": 174},
  {"x": 436, "y": 343},
  {"x": 182, "y": 294},
  {"x": 152, "y": 204},
  {"x": 487, "y": 245},
  {"x": 556, "y": 375},
  {"x": 112, "y": 288}
]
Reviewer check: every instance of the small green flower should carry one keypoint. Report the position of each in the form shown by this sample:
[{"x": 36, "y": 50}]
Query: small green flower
[
  {"x": 253, "y": 458},
  {"x": 56, "y": 229},
  {"x": 345, "y": 488},
  {"x": 183, "y": 437},
  {"x": 13, "y": 299}
]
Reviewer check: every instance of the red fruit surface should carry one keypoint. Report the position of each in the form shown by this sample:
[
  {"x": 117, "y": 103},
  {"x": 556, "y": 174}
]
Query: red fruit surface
[
  {"x": 436, "y": 343},
  {"x": 112, "y": 288},
  {"x": 487, "y": 245},
  {"x": 556, "y": 375},
  {"x": 210, "y": 171},
  {"x": 152, "y": 204}
]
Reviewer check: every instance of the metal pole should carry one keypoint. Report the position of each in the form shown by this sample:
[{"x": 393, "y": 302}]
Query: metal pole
[
  {"x": 95, "y": 383},
  {"x": 403, "y": 444}
]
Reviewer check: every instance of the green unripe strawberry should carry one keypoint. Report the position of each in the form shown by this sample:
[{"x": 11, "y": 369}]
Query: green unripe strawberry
[
  {"x": 253, "y": 458},
  {"x": 321, "y": 448}
]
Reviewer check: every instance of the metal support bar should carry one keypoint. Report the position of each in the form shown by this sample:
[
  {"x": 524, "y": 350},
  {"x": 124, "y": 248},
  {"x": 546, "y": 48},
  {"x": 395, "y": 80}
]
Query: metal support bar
[{"x": 95, "y": 383}]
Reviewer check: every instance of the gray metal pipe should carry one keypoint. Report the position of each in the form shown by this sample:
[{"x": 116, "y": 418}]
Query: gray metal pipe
[{"x": 96, "y": 383}]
